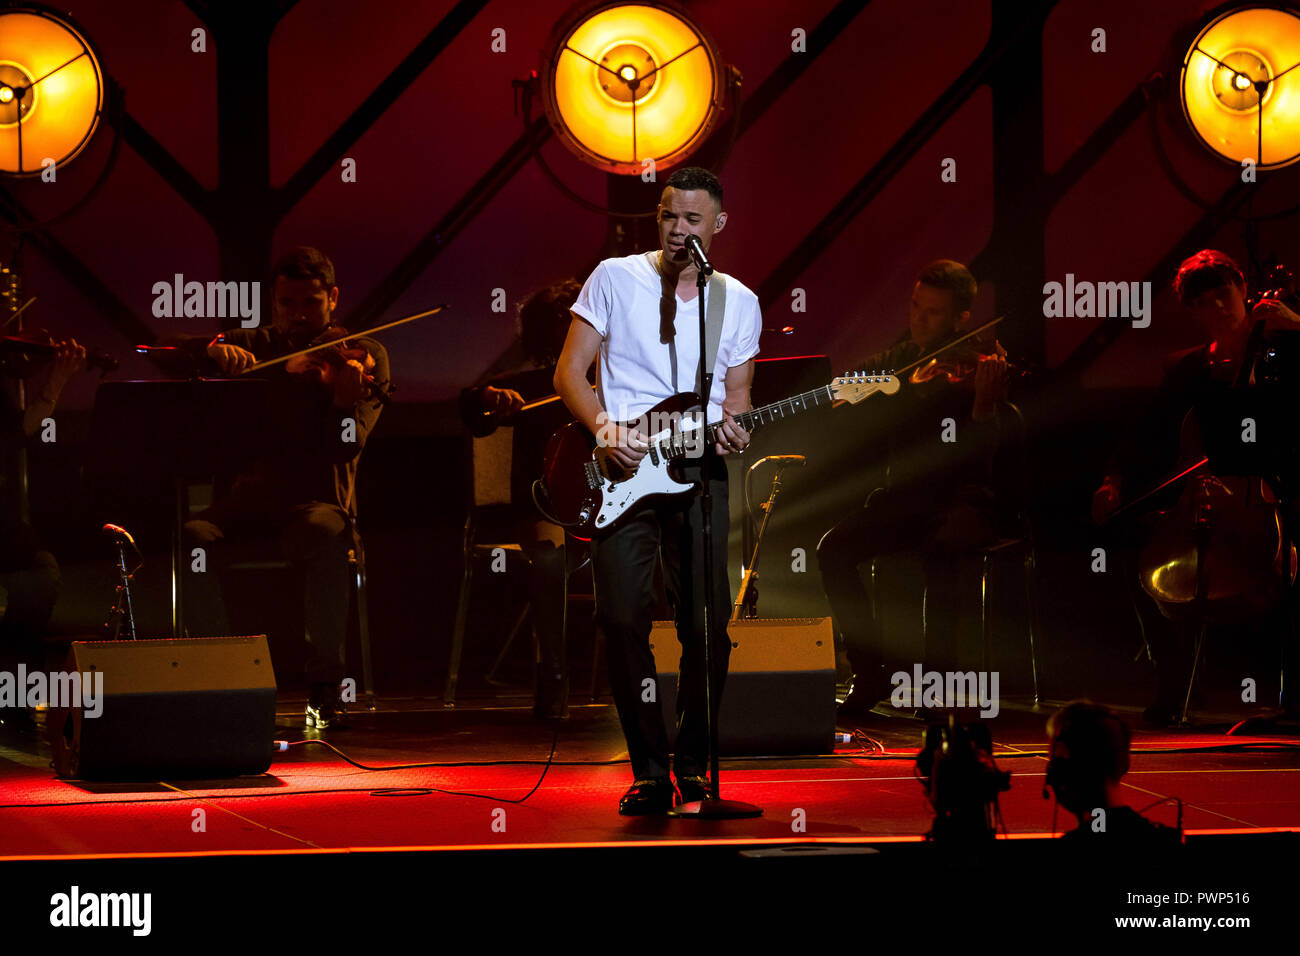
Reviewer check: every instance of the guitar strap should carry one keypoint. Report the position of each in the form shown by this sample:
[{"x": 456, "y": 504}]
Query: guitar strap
[{"x": 714, "y": 314}]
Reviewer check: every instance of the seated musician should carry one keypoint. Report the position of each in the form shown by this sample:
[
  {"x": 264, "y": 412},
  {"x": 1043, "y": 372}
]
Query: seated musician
[
  {"x": 1195, "y": 390},
  {"x": 543, "y": 324},
  {"x": 29, "y": 573},
  {"x": 303, "y": 492},
  {"x": 937, "y": 497}
]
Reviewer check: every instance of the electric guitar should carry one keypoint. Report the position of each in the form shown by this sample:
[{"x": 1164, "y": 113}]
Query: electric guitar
[{"x": 586, "y": 491}]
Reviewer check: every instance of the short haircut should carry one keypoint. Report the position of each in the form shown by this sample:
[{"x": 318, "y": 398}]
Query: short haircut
[
  {"x": 544, "y": 320},
  {"x": 952, "y": 277},
  {"x": 304, "y": 262},
  {"x": 1095, "y": 738},
  {"x": 1206, "y": 270},
  {"x": 696, "y": 177}
]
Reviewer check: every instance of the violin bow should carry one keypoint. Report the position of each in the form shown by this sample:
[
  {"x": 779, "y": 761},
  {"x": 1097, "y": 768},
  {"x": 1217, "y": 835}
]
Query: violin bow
[
  {"x": 943, "y": 348},
  {"x": 17, "y": 312},
  {"x": 353, "y": 335}
]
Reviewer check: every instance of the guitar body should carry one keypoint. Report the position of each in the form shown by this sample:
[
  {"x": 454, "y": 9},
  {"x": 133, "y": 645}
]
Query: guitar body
[{"x": 589, "y": 492}]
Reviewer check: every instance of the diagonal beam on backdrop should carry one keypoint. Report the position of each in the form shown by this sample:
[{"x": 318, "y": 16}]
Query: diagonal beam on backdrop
[
  {"x": 374, "y": 106},
  {"x": 1109, "y": 132},
  {"x": 215, "y": 206},
  {"x": 82, "y": 278},
  {"x": 780, "y": 80},
  {"x": 172, "y": 172},
  {"x": 870, "y": 185},
  {"x": 390, "y": 288},
  {"x": 1200, "y": 235}
]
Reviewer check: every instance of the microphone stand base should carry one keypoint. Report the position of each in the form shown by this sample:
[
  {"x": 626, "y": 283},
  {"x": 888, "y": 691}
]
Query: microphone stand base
[{"x": 712, "y": 808}]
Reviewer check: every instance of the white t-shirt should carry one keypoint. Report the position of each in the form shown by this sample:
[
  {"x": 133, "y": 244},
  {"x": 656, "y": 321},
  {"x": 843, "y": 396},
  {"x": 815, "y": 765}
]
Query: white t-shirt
[{"x": 635, "y": 372}]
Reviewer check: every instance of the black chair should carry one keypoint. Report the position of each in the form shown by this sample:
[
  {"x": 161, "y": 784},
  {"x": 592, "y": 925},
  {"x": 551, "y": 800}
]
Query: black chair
[
  {"x": 490, "y": 459},
  {"x": 1015, "y": 541}
]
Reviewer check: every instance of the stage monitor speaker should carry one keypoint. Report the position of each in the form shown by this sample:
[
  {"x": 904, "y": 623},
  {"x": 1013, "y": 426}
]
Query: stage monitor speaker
[
  {"x": 780, "y": 692},
  {"x": 184, "y": 708}
]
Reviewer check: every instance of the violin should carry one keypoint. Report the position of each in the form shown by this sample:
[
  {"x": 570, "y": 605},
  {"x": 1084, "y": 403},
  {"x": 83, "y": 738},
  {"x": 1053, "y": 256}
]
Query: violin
[
  {"x": 957, "y": 361},
  {"x": 22, "y": 350},
  {"x": 21, "y": 354},
  {"x": 329, "y": 353},
  {"x": 958, "y": 365}
]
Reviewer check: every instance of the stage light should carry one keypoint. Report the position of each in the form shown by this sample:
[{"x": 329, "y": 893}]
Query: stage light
[
  {"x": 1240, "y": 86},
  {"x": 627, "y": 82},
  {"x": 51, "y": 90}
]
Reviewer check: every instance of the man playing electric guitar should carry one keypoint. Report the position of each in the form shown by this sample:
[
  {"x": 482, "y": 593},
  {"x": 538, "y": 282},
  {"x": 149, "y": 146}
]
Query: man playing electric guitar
[{"x": 638, "y": 318}]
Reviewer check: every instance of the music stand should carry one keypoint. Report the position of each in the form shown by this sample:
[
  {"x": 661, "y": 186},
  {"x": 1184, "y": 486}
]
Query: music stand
[{"x": 186, "y": 429}]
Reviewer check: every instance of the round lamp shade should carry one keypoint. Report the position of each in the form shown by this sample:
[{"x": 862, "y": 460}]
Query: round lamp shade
[
  {"x": 628, "y": 82},
  {"x": 1242, "y": 66},
  {"x": 51, "y": 91}
]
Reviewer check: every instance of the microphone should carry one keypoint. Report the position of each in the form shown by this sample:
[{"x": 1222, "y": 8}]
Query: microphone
[
  {"x": 781, "y": 460},
  {"x": 701, "y": 259},
  {"x": 113, "y": 531}
]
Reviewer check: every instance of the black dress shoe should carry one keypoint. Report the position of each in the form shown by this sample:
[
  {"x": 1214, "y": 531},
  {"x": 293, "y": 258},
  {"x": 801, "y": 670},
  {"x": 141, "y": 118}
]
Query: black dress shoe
[
  {"x": 326, "y": 716},
  {"x": 325, "y": 708},
  {"x": 859, "y": 704},
  {"x": 654, "y": 795},
  {"x": 693, "y": 788}
]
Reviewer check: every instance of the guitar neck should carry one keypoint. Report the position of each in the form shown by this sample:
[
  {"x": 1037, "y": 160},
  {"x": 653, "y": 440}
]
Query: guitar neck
[{"x": 777, "y": 410}]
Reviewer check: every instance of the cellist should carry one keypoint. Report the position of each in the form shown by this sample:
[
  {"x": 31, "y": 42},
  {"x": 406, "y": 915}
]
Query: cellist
[{"x": 1199, "y": 381}]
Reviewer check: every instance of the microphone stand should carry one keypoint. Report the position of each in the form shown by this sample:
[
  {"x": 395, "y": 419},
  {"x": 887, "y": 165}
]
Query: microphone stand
[{"x": 711, "y": 807}]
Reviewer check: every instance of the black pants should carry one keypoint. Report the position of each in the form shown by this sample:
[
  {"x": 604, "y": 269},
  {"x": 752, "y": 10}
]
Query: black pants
[
  {"x": 624, "y": 566},
  {"x": 885, "y": 526},
  {"x": 315, "y": 536}
]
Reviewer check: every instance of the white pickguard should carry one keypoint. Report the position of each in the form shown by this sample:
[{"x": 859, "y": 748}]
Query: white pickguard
[{"x": 650, "y": 479}]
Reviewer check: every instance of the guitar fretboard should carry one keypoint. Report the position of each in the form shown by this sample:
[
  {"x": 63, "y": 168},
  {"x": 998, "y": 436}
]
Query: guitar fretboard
[
  {"x": 777, "y": 410},
  {"x": 679, "y": 445}
]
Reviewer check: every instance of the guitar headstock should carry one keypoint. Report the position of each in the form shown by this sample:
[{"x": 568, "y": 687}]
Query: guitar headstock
[{"x": 856, "y": 386}]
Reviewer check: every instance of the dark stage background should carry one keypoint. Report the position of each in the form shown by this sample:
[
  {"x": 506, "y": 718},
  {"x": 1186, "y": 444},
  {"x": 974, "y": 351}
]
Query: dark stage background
[{"x": 833, "y": 188}]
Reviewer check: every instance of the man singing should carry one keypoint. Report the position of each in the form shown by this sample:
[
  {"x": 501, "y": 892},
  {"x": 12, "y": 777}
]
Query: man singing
[{"x": 638, "y": 317}]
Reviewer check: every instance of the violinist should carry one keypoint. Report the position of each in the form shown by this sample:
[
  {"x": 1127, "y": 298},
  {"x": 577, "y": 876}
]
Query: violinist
[
  {"x": 1195, "y": 413},
  {"x": 937, "y": 496},
  {"x": 29, "y": 573},
  {"x": 303, "y": 492}
]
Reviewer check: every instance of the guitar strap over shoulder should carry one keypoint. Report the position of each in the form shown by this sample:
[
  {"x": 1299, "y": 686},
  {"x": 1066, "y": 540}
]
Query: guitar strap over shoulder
[{"x": 715, "y": 312}]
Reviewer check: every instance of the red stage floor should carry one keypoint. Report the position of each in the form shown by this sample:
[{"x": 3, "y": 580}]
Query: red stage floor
[{"x": 312, "y": 799}]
